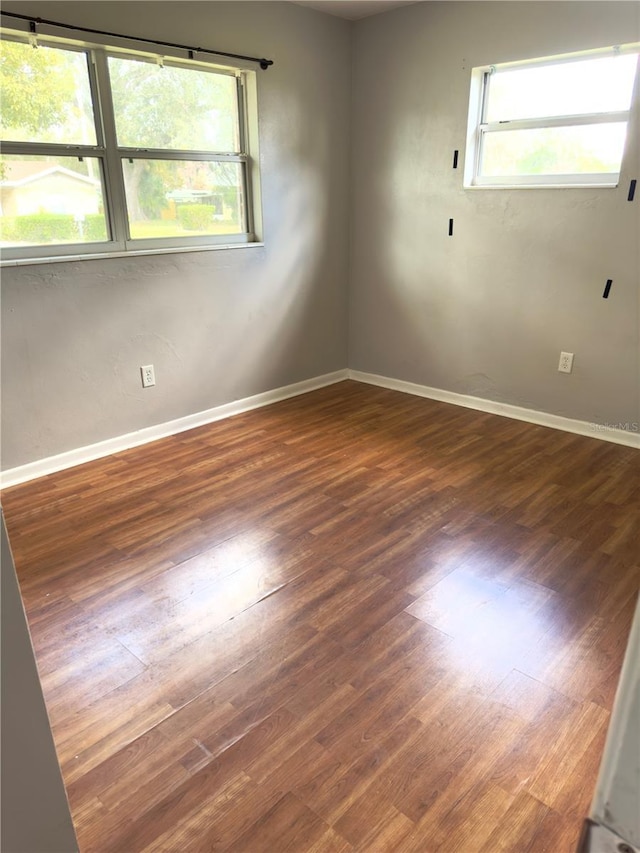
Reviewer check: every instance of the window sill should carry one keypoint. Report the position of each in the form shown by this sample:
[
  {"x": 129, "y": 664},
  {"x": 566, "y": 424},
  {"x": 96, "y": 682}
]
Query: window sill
[
  {"x": 607, "y": 186},
  {"x": 57, "y": 259}
]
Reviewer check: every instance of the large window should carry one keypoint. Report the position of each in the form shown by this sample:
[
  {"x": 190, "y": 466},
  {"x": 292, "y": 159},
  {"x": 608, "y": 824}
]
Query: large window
[
  {"x": 558, "y": 121},
  {"x": 109, "y": 151}
]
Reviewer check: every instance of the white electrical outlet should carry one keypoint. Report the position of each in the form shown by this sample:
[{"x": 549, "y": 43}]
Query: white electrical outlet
[
  {"x": 565, "y": 364},
  {"x": 148, "y": 376}
]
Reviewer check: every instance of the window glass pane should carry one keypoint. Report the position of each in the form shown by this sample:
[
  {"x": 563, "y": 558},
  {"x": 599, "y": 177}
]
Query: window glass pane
[
  {"x": 173, "y": 108},
  {"x": 51, "y": 200},
  {"x": 45, "y": 95},
  {"x": 183, "y": 198},
  {"x": 581, "y": 149},
  {"x": 570, "y": 88}
]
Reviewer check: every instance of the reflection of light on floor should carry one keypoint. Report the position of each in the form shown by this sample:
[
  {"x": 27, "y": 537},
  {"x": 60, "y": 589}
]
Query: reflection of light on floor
[
  {"x": 248, "y": 557},
  {"x": 493, "y": 626}
]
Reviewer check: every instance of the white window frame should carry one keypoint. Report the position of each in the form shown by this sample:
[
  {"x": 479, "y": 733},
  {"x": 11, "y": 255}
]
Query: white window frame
[
  {"x": 110, "y": 155},
  {"x": 478, "y": 127}
]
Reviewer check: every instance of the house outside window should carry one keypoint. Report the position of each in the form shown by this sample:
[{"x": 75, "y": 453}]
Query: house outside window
[{"x": 112, "y": 150}]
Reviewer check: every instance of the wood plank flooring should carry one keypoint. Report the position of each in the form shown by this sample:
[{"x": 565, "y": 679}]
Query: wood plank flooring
[{"x": 351, "y": 621}]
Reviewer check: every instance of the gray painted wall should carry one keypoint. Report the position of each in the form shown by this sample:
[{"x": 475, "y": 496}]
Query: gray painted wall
[
  {"x": 487, "y": 311},
  {"x": 218, "y": 326},
  {"x": 35, "y": 812}
]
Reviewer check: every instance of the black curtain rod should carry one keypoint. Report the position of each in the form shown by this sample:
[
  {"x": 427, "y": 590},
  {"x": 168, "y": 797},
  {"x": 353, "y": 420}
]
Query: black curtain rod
[{"x": 264, "y": 63}]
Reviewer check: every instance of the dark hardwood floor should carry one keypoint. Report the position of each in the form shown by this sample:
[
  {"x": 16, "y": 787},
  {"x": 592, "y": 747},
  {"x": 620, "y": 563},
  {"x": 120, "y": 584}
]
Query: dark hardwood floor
[{"x": 353, "y": 620}]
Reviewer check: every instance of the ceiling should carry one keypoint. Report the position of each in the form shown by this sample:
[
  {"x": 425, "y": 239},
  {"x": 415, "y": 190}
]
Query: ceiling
[{"x": 352, "y": 10}]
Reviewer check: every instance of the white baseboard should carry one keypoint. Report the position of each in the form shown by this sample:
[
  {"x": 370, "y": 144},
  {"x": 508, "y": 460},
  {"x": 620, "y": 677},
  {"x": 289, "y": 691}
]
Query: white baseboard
[
  {"x": 51, "y": 464},
  {"x": 602, "y": 431}
]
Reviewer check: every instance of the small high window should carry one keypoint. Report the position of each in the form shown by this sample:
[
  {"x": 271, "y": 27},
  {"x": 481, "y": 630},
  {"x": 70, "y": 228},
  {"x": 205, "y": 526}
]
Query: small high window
[{"x": 559, "y": 121}]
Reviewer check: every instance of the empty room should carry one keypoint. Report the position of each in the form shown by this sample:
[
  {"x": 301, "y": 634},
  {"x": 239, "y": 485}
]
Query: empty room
[{"x": 320, "y": 425}]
